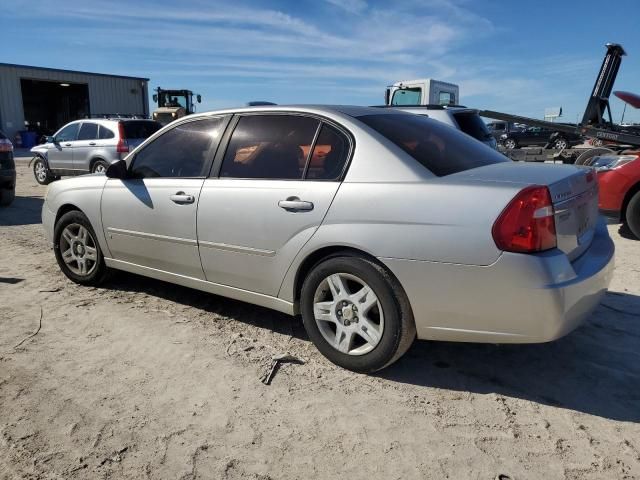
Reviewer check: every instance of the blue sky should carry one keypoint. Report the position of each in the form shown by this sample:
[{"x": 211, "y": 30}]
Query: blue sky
[{"x": 518, "y": 57}]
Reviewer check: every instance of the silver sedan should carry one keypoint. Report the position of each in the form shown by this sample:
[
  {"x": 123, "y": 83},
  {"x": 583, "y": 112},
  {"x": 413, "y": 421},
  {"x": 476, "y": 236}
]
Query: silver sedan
[{"x": 377, "y": 226}]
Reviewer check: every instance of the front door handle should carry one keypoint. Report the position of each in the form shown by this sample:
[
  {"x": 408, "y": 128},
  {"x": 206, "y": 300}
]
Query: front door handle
[
  {"x": 182, "y": 198},
  {"x": 92, "y": 144},
  {"x": 67, "y": 144},
  {"x": 294, "y": 204}
]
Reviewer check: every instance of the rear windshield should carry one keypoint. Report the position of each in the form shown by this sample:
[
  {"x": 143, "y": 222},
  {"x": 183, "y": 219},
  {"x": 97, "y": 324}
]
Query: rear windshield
[
  {"x": 441, "y": 149},
  {"x": 140, "y": 128},
  {"x": 471, "y": 124}
]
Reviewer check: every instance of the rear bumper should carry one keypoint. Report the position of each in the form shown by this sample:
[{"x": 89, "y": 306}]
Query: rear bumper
[{"x": 518, "y": 299}]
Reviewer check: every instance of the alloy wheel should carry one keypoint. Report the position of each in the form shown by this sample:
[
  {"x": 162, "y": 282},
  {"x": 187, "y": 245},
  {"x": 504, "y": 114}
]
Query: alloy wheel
[
  {"x": 40, "y": 171},
  {"x": 348, "y": 314},
  {"x": 510, "y": 144},
  {"x": 100, "y": 168},
  {"x": 78, "y": 248}
]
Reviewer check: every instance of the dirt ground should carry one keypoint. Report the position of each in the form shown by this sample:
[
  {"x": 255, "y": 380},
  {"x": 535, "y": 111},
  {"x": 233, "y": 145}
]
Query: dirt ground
[{"x": 142, "y": 379}]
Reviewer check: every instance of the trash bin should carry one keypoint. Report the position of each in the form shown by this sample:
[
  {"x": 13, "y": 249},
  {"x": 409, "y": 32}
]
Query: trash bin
[{"x": 28, "y": 139}]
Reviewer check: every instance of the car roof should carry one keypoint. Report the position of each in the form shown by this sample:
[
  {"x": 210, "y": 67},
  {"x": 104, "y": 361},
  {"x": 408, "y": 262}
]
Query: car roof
[{"x": 349, "y": 110}]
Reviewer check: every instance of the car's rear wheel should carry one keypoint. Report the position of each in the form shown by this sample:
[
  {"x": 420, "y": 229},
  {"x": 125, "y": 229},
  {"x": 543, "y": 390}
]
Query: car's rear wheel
[
  {"x": 585, "y": 158},
  {"x": 77, "y": 251},
  {"x": 7, "y": 195},
  {"x": 560, "y": 143},
  {"x": 99, "y": 166},
  {"x": 356, "y": 313},
  {"x": 41, "y": 172},
  {"x": 510, "y": 144},
  {"x": 632, "y": 215}
]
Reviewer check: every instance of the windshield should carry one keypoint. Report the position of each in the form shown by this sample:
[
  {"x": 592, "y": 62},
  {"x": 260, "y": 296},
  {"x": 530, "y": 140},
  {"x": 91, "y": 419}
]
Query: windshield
[
  {"x": 171, "y": 99},
  {"x": 441, "y": 149},
  {"x": 407, "y": 96}
]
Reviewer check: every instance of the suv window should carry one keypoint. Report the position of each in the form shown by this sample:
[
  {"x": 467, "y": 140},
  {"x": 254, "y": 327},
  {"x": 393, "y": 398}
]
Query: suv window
[
  {"x": 329, "y": 155},
  {"x": 471, "y": 124},
  {"x": 439, "y": 148},
  {"x": 135, "y": 129},
  {"x": 68, "y": 133},
  {"x": 183, "y": 151},
  {"x": 88, "y": 131},
  {"x": 407, "y": 96},
  {"x": 105, "y": 133},
  {"x": 269, "y": 146}
]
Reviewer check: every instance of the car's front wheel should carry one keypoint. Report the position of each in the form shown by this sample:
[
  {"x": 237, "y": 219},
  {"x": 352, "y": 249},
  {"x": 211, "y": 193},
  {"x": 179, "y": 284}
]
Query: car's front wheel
[
  {"x": 632, "y": 215},
  {"x": 560, "y": 144},
  {"x": 41, "y": 172},
  {"x": 356, "y": 313},
  {"x": 77, "y": 250},
  {"x": 510, "y": 144}
]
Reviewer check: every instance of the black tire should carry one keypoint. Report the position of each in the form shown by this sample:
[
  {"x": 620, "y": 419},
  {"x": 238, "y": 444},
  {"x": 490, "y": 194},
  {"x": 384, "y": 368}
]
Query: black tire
[
  {"x": 399, "y": 327},
  {"x": 95, "y": 275},
  {"x": 510, "y": 143},
  {"x": 585, "y": 158},
  {"x": 560, "y": 143},
  {"x": 632, "y": 215},
  {"x": 98, "y": 165},
  {"x": 7, "y": 195},
  {"x": 41, "y": 172}
]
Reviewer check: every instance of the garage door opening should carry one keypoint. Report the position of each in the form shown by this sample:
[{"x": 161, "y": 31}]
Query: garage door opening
[{"x": 49, "y": 105}]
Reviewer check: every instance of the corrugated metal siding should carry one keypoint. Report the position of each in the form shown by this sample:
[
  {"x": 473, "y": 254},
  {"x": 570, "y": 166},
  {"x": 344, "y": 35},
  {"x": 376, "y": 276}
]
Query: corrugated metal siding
[{"x": 106, "y": 94}]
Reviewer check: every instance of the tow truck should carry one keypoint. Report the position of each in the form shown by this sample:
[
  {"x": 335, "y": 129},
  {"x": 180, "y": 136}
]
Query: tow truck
[
  {"x": 593, "y": 124},
  {"x": 173, "y": 104}
]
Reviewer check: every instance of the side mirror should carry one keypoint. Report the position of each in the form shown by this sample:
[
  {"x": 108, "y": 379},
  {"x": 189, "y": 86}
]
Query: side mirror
[
  {"x": 117, "y": 169},
  {"x": 155, "y": 97},
  {"x": 199, "y": 98},
  {"x": 49, "y": 139}
]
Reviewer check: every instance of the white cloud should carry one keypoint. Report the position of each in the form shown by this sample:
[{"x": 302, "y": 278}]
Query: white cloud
[{"x": 351, "y": 6}]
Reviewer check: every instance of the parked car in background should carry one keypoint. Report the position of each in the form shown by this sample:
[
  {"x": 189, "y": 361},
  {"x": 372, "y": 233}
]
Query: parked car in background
[
  {"x": 376, "y": 225},
  {"x": 619, "y": 181},
  {"x": 7, "y": 171},
  {"x": 498, "y": 127},
  {"x": 88, "y": 146},
  {"x": 461, "y": 118},
  {"x": 537, "y": 136}
]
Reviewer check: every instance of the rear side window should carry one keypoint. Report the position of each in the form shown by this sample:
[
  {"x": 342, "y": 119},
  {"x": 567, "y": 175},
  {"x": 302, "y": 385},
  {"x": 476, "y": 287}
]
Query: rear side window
[
  {"x": 270, "y": 147},
  {"x": 88, "y": 131},
  {"x": 472, "y": 124},
  {"x": 441, "y": 149},
  {"x": 329, "y": 155},
  {"x": 105, "y": 133},
  {"x": 183, "y": 151},
  {"x": 140, "y": 128}
]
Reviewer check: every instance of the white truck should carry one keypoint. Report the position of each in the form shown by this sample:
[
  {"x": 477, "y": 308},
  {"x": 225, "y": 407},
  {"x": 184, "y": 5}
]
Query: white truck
[{"x": 424, "y": 91}]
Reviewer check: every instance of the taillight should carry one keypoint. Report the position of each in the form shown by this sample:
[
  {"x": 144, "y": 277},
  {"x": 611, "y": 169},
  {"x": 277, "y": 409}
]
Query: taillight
[
  {"x": 5, "y": 145},
  {"x": 527, "y": 224},
  {"x": 122, "y": 146}
]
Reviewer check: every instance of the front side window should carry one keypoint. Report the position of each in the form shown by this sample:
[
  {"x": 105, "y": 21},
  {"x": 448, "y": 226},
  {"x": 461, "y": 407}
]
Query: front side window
[
  {"x": 270, "y": 147},
  {"x": 68, "y": 133},
  {"x": 183, "y": 151},
  {"x": 439, "y": 148},
  {"x": 407, "y": 96},
  {"x": 329, "y": 155},
  {"x": 88, "y": 131}
]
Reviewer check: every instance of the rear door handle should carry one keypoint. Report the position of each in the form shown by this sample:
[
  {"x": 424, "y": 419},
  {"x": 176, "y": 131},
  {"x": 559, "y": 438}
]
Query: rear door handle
[
  {"x": 182, "y": 198},
  {"x": 294, "y": 204},
  {"x": 67, "y": 144}
]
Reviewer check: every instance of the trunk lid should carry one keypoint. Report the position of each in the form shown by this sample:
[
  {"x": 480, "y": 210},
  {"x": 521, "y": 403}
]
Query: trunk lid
[{"x": 574, "y": 192}]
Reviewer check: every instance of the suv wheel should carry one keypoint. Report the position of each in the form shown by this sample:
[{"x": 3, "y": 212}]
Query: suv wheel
[
  {"x": 356, "y": 314},
  {"x": 41, "y": 172},
  {"x": 77, "y": 250},
  {"x": 99, "y": 166},
  {"x": 632, "y": 215},
  {"x": 510, "y": 144}
]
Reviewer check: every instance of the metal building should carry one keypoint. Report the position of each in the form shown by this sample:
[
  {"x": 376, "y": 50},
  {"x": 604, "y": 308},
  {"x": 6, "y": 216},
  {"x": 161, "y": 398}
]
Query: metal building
[{"x": 44, "y": 99}]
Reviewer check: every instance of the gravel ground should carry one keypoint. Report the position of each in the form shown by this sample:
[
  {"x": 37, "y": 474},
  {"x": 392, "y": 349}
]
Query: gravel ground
[{"x": 142, "y": 379}]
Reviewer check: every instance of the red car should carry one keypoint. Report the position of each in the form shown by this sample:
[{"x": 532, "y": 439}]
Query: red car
[{"x": 619, "y": 181}]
